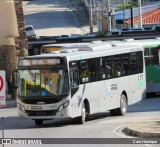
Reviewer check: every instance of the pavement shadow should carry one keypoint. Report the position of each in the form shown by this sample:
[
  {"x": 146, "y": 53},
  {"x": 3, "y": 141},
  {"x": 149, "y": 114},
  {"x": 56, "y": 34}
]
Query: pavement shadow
[
  {"x": 12, "y": 123},
  {"x": 73, "y": 121},
  {"x": 145, "y": 105}
]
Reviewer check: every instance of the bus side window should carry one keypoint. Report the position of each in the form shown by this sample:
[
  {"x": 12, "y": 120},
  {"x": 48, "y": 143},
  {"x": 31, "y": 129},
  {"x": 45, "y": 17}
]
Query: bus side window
[
  {"x": 117, "y": 69},
  {"x": 125, "y": 64},
  {"x": 92, "y": 70},
  {"x": 100, "y": 69},
  {"x": 146, "y": 51},
  {"x": 74, "y": 78},
  {"x": 83, "y": 71},
  {"x": 140, "y": 62},
  {"x": 154, "y": 56},
  {"x": 133, "y": 63},
  {"x": 108, "y": 66},
  {"x": 147, "y": 60}
]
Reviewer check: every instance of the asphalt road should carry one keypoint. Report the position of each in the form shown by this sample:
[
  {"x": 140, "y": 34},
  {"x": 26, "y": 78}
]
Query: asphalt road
[
  {"x": 100, "y": 125},
  {"x": 51, "y": 17}
]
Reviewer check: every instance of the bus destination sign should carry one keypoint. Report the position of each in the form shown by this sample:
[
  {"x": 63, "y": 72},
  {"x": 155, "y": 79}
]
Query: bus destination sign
[{"x": 35, "y": 62}]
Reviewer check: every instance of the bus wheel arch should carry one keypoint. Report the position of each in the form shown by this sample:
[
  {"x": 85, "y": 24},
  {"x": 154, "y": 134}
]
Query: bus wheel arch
[
  {"x": 84, "y": 112},
  {"x": 87, "y": 108},
  {"x": 125, "y": 93},
  {"x": 122, "y": 110}
]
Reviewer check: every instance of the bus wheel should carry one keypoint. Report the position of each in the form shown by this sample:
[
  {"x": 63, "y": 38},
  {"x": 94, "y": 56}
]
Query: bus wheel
[
  {"x": 38, "y": 122},
  {"x": 81, "y": 119},
  {"x": 123, "y": 106}
]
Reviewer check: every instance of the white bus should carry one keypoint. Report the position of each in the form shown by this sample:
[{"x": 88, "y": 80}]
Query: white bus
[{"x": 79, "y": 80}]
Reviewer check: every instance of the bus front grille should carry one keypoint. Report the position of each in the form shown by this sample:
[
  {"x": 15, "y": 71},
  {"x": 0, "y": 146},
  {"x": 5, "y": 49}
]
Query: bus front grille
[
  {"x": 45, "y": 100},
  {"x": 41, "y": 113}
]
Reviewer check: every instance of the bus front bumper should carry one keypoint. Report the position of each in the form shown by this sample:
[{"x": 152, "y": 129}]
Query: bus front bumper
[{"x": 41, "y": 112}]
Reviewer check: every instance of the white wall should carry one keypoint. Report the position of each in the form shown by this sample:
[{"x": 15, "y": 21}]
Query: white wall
[{"x": 8, "y": 22}]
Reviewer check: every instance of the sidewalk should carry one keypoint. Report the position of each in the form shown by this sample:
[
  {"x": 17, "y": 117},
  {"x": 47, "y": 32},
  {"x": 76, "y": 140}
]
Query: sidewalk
[
  {"x": 10, "y": 103},
  {"x": 145, "y": 129}
]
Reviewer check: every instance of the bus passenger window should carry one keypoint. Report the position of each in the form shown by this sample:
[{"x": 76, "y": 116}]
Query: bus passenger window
[
  {"x": 154, "y": 56},
  {"x": 140, "y": 62},
  {"x": 100, "y": 69},
  {"x": 74, "y": 78},
  {"x": 108, "y": 66},
  {"x": 154, "y": 60},
  {"x": 108, "y": 71},
  {"x": 133, "y": 63},
  {"x": 147, "y": 60},
  {"x": 83, "y": 71},
  {"x": 146, "y": 51},
  {"x": 117, "y": 69},
  {"x": 125, "y": 64},
  {"x": 92, "y": 70}
]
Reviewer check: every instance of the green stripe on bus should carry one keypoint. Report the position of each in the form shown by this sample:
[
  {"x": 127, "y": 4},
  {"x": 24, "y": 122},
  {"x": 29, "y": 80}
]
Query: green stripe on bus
[{"x": 153, "y": 73}]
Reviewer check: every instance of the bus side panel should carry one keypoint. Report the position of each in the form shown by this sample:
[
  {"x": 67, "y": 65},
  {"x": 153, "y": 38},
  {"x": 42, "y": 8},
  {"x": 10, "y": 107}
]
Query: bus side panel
[
  {"x": 138, "y": 87},
  {"x": 125, "y": 85},
  {"x": 153, "y": 78},
  {"x": 83, "y": 92},
  {"x": 112, "y": 94}
]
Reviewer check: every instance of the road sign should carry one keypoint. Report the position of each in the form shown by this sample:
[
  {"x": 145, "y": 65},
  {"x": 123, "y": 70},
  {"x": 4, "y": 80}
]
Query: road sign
[{"x": 2, "y": 88}]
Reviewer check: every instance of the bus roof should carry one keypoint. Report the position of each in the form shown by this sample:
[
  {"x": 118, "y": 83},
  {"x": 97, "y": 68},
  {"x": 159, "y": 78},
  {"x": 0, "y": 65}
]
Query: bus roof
[
  {"x": 80, "y": 51},
  {"x": 145, "y": 43}
]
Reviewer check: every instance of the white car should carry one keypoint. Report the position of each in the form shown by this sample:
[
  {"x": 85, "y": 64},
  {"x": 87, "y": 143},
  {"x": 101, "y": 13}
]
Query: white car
[{"x": 30, "y": 31}]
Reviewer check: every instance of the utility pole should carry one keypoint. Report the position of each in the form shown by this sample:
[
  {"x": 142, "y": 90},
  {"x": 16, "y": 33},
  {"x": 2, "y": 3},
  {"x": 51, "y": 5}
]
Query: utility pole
[
  {"x": 90, "y": 17},
  {"x": 131, "y": 9},
  {"x": 140, "y": 14},
  {"x": 123, "y": 14},
  {"x": 102, "y": 16},
  {"x": 109, "y": 15}
]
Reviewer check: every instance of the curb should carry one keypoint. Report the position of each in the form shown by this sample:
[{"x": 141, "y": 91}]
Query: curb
[{"x": 150, "y": 129}]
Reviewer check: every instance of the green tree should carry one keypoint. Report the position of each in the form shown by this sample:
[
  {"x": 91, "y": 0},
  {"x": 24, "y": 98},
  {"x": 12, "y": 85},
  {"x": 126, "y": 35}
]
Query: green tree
[{"x": 127, "y": 5}]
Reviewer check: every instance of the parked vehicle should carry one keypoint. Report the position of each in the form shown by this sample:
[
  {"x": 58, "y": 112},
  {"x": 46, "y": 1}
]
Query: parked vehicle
[{"x": 30, "y": 31}]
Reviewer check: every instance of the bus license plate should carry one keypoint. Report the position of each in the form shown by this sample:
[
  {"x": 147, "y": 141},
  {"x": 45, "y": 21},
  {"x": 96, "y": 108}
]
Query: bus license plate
[{"x": 35, "y": 107}]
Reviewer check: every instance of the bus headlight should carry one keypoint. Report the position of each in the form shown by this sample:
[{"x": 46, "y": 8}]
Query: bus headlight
[
  {"x": 21, "y": 108},
  {"x": 63, "y": 106}
]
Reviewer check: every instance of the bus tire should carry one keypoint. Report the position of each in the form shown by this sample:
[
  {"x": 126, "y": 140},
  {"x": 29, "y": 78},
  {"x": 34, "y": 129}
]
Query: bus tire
[
  {"x": 123, "y": 106},
  {"x": 81, "y": 119},
  {"x": 38, "y": 122}
]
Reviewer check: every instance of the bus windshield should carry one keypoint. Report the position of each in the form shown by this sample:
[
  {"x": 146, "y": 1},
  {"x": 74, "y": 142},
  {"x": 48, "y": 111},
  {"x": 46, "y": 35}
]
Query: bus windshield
[{"x": 43, "y": 82}]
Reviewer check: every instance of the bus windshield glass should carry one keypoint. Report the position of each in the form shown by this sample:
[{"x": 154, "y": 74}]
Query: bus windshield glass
[{"x": 43, "y": 82}]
